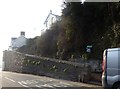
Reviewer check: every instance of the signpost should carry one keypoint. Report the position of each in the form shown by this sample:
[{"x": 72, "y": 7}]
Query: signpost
[{"x": 88, "y": 48}]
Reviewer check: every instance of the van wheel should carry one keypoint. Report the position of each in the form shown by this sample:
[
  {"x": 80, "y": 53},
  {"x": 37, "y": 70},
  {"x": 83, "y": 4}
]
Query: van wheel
[{"x": 116, "y": 86}]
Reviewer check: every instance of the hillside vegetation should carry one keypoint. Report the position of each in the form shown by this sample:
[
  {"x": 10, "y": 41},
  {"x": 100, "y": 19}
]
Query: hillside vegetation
[{"x": 96, "y": 24}]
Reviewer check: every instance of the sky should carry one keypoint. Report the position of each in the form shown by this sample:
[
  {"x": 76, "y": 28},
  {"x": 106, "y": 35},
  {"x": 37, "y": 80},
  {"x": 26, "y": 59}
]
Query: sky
[{"x": 24, "y": 15}]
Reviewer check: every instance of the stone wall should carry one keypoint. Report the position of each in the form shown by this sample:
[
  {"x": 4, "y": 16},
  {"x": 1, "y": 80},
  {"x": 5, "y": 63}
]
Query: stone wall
[{"x": 24, "y": 63}]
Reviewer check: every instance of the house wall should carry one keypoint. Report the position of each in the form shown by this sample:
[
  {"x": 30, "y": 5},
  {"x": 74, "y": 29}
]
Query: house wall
[
  {"x": 19, "y": 42},
  {"x": 51, "y": 19}
]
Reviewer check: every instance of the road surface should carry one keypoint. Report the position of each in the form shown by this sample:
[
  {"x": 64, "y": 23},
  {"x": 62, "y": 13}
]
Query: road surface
[{"x": 11, "y": 80}]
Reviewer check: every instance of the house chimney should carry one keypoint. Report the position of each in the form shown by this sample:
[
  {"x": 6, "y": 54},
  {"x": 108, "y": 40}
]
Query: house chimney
[
  {"x": 22, "y": 33},
  {"x": 50, "y": 11}
]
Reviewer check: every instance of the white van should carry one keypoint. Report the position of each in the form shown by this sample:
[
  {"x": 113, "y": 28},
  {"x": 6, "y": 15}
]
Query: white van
[{"x": 111, "y": 68}]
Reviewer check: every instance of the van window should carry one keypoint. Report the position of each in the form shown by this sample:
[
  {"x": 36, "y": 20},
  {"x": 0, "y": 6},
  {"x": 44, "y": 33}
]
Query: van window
[{"x": 112, "y": 59}]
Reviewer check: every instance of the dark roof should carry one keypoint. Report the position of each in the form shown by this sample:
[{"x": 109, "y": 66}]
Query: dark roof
[{"x": 13, "y": 38}]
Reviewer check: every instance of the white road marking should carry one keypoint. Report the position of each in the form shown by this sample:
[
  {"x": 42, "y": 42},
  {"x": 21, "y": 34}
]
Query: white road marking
[
  {"x": 10, "y": 79},
  {"x": 23, "y": 82},
  {"x": 44, "y": 85},
  {"x": 38, "y": 86},
  {"x": 29, "y": 81},
  {"x": 51, "y": 80},
  {"x": 24, "y": 85},
  {"x": 56, "y": 85},
  {"x": 51, "y": 86},
  {"x": 65, "y": 83},
  {"x": 59, "y": 85}
]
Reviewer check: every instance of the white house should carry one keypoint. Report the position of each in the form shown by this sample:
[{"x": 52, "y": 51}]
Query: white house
[
  {"x": 18, "y": 42},
  {"x": 51, "y": 18}
]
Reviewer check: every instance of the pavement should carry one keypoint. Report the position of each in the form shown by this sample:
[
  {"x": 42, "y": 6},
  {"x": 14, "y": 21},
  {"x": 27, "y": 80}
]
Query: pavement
[{"x": 11, "y": 80}]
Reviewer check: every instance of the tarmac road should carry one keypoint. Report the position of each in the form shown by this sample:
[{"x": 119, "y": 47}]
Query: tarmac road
[{"x": 11, "y": 80}]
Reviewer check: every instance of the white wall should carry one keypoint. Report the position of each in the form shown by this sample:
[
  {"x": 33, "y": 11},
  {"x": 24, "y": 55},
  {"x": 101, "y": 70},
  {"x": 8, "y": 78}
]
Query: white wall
[
  {"x": 51, "y": 19},
  {"x": 19, "y": 42}
]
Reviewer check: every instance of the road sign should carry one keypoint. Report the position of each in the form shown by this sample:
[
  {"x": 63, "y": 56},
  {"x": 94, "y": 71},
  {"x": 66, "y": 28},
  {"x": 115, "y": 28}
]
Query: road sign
[{"x": 88, "y": 48}]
